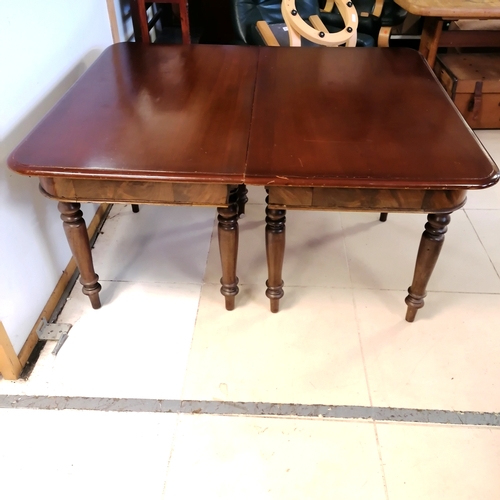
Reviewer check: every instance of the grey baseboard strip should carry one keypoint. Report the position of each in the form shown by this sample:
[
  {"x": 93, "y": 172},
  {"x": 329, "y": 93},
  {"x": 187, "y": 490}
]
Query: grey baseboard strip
[{"x": 377, "y": 414}]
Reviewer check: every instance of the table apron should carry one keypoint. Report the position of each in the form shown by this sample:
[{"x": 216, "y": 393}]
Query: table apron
[
  {"x": 139, "y": 192},
  {"x": 357, "y": 199}
]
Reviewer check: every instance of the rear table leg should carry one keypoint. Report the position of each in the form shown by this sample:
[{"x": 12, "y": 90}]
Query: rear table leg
[
  {"x": 428, "y": 252},
  {"x": 242, "y": 199},
  {"x": 78, "y": 239}
]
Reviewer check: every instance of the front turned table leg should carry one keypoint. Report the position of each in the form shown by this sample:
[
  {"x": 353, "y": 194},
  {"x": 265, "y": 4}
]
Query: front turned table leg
[
  {"x": 275, "y": 252},
  {"x": 242, "y": 199},
  {"x": 428, "y": 252},
  {"x": 78, "y": 239},
  {"x": 228, "y": 247}
]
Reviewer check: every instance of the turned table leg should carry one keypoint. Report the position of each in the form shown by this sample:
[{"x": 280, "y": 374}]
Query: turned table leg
[
  {"x": 78, "y": 239},
  {"x": 242, "y": 199},
  {"x": 428, "y": 252},
  {"x": 228, "y": 233},
  {"x": 275, "y": 252}
]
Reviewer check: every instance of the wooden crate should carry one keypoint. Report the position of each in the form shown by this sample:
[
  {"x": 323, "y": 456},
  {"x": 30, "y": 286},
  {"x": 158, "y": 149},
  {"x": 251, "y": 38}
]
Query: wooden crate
[{"x": 473, "y": 82}]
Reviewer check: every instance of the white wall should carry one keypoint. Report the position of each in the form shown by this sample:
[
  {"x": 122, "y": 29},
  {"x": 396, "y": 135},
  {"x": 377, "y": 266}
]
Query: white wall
[{"x": 45, "y": 45}]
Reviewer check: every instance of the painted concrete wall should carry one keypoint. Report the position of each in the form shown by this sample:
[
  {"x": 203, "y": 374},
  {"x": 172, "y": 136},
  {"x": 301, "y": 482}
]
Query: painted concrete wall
[{"x": 44, "y": 47}]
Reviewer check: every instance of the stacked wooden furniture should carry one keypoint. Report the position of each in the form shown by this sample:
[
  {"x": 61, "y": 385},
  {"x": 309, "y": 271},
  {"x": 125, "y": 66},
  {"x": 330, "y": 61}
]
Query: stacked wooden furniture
[{"x": 437, "y": 12}]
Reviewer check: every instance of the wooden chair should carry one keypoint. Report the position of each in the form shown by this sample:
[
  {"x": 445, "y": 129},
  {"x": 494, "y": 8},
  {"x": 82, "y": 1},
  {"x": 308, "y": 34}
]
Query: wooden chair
[
  {"x": 142, "y": 26},
  {"x": 376, "y": 17},
  {"x": 316, "y": 32},
  {"x": 264, "y": 22}
]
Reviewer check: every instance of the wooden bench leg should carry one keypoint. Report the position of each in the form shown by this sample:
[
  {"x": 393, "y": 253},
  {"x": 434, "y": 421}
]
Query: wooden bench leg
[
  {"x": 429, "y": 41},
  {"x": 275, "y": 252},
  {"x": 428, "y": 252},
  {"x": 228, "y": 233},
  {"x": 78, "y": 239}
]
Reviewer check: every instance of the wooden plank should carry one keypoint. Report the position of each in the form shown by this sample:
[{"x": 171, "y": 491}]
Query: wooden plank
[
  {"x": 367, "y": 200},
  {"x": 162, "y": 193},
  {"x": 113, "y": 21},
  {"x": 10, "y": 367},
  {"x": 267, "y": 35},
  {"x": 453, "y": 9},
  {"x": 290, "y": 196},
  {"x": 463, "y": 38},
  {"x": 58, "y": 291}
]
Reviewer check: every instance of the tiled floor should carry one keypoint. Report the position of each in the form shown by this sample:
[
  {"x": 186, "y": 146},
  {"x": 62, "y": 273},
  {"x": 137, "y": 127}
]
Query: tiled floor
[{"x": 340, "y": 340}]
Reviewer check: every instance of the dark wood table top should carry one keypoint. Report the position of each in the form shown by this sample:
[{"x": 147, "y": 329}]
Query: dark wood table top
[
  {"x": 370, "y": 117},
  {"x": 229, "y": 114},
  {"x": 150, "y": 112}
]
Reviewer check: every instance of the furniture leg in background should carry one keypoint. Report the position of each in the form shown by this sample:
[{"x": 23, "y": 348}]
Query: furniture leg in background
[{"x": 142, "y": 25}]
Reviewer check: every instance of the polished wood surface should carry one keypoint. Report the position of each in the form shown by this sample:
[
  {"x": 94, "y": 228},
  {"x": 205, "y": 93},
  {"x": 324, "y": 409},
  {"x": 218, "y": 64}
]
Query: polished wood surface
[
  {"x": 359, "y": 118},
  {"x": 149, "y": 124},
  {"x": 321, "y": 129},
  {"x": 453, "y": 9},
  {"x": 149, "y": 112},
  {"x": 363, "y": 130}
]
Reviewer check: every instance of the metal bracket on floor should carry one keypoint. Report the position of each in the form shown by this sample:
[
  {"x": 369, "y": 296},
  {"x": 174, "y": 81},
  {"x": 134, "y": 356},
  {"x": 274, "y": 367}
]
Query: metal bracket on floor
[{"x": 53, "y": 331}]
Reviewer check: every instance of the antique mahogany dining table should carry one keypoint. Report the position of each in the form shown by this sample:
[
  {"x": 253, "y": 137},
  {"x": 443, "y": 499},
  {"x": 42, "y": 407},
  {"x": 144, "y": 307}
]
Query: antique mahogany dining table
[{"x": 320, "y": 128}]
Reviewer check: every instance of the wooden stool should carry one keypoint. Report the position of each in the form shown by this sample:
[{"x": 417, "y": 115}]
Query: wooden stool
[{"x": 142, "y": 26}]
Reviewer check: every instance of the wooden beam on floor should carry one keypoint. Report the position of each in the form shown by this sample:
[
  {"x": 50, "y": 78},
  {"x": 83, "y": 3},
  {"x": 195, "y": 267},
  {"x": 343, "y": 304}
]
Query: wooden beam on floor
[{"x": 9, "y": 369}]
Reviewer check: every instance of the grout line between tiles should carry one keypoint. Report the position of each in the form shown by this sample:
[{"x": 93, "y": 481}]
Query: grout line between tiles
[
  {"x": 481, "y": 241},
  {"x": 375, "y": 430},
  {"x": 254, "y": 409}
]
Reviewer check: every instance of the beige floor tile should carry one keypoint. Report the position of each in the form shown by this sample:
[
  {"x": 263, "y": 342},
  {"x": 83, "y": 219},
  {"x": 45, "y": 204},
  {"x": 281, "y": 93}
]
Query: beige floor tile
[
  {"x": 159, "y": 244},
  {"x": 449, "y": 358},
  {"x": 491, "y": 141},
  {"x": 135, "y": 346},
  {"x": 487, "y": 225},
  {"x": 314, "y": 254},
  {"x": 382, "y": 255},
  {"x": 437, "y": 462},
  {"x": 218, "y": 457},
  {"x": 487, "y": 199},
  {"x": 307, "y": 353},
  {"x": 61, "y": 455}
]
